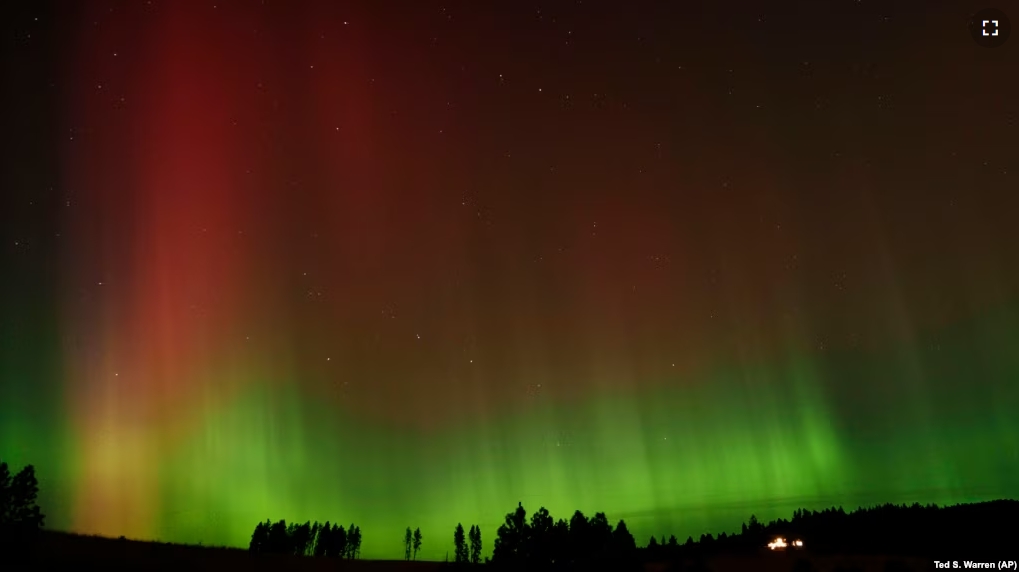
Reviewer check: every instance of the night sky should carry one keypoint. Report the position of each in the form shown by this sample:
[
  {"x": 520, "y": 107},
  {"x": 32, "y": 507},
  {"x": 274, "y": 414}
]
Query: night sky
[{"x": 409, "y": 263}]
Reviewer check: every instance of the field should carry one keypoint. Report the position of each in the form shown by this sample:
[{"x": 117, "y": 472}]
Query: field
[
  {"x": 63, "y": 551},
  {"x": 56, "y": 550}
]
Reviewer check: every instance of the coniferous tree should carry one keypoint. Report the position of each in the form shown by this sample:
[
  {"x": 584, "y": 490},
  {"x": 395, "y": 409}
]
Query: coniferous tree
[
  {"x": 470, "y": 544},
  {"x": 624, "y": 547},
  {"x": 259, "y": 538},
  {"x": 580, "y": 537},
  {"x": 291, "y": 535},
  {"x": 302, "y": 538},
  {"x": 20, "y": 517},
  {"x": 353, "y": 541},
  {"x": 511, "y": 538},
  {"x": 755, "y": 527},
  {"x": 601, "y": 536},
  {"x": 538, "y": 544},
  {"x": 417, "y": 542},
  {"x": 654, "y": 549},
  {"x": 5, "y": 492},
  {"x": 459, "y": 545},
  {"x": 561, "y": 555},
  {"x": 339, "y": 536},
  {"x": 408, "y": 540},
  {"x": 323, "y": 539},
  {"x": 313, "y": 538},
  {"x": 475, "y": 540},
  {"x": 278, "y": 539}
]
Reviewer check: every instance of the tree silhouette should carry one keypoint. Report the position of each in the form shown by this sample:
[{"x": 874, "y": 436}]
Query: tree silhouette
[
  {"x": 561, "y": 543},
  {"x": 408, "y": 539},
  {"x": 580, "y": 543},
  {"x": 20, "y": 517},
  {"x": 417, "y": 542},
  {"x": 353, "y": 548},
  {"x": 511, "y": 538},
  {"x": 339, "y": 541},
  {"x": 601, "y": 536},
  {"x": 260, "y": 538},
  {"x": 322, "y": 540},
  {"x": 623, "y": 540},
  {"x": 301, "y": 539},
  {"x": 539, "y": 543},
  {"x": 5, "y": 491},
  {"x": 475, "y": 540},
  {"x": 459, "y": 545},
  {"x": 278, "y": 539}
]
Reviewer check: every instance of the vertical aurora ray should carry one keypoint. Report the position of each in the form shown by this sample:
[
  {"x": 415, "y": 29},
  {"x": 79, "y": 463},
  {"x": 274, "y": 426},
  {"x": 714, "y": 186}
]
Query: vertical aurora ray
[
  {"x": 162, "y": 281},
  {"x": 284, "y": 296}
]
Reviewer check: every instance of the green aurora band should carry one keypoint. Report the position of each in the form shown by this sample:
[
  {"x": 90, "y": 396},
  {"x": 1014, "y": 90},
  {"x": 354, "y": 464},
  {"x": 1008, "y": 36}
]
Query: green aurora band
[{"x": 763, "y": 439}]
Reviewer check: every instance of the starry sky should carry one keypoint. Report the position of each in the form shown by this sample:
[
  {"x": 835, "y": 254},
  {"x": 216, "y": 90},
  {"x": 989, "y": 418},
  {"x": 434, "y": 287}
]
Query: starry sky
[{"x": 409, "y": 263}]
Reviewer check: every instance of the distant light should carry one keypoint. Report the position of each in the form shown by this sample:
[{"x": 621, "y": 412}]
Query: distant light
[
  {"x": 798, "y": 543},
  {"x": 777, "y": 543}
]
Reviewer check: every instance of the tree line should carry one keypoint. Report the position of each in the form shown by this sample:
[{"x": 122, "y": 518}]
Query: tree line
[
  {"x": 580, "y": 543},
  {"x": 898, "y": 530},
  {"x": 891, "y": 530},
  {"x": 308, "y": 539}
]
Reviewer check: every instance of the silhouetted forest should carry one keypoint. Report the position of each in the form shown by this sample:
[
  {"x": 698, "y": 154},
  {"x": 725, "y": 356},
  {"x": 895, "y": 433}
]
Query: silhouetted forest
[
  {"x": 581, "y": 543},
  {"x": 308, "y": 539},
  {"x": 907, "y": 530},
  {"x": 889, "y": 530}
]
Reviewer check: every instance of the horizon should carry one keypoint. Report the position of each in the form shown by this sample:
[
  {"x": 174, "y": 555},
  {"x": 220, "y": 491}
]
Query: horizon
[{"x": 696, "y": 538}]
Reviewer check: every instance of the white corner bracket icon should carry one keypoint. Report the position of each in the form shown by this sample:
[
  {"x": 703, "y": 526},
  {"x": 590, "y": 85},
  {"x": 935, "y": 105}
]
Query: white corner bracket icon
[{"x": 993, "y": 25}]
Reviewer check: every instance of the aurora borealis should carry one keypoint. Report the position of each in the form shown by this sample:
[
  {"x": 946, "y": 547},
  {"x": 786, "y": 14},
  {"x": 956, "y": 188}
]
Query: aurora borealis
[{"x": 409, "y": 263}]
